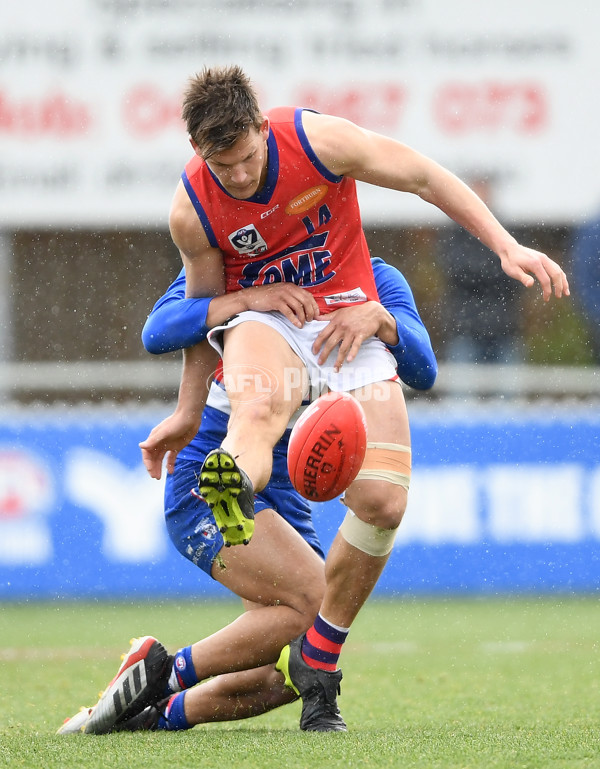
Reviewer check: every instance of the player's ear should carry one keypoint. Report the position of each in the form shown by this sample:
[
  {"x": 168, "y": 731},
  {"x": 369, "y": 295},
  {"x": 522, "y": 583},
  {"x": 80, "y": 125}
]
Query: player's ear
[
  {"x": 194, "y": 145},
  {"x": 264, "y": 128}
]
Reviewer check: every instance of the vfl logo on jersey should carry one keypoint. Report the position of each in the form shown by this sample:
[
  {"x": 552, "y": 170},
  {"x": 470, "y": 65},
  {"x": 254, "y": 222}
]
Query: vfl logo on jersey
[
  {"x": 306, "y": 199},
  {"x": 248, "y": 241},
  {"x": 347, "y": 297}
]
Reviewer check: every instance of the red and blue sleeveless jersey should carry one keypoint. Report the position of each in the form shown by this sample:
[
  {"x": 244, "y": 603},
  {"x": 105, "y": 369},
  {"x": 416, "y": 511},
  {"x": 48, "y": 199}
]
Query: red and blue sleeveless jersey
[{"x": 303, "y": 226}]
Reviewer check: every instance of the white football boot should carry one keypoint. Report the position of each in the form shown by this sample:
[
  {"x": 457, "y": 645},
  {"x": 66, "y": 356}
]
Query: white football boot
[
  {"x": 76, "y": 724},
  {"x": 141, "y": 680}
]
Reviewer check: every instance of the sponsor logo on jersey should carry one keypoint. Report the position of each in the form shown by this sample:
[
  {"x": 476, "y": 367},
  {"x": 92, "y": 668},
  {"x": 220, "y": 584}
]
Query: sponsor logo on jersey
[
  {"x": 305, "y": 264},
  {"x": 269, "y": 212},
  {"x": 355, "y": 295},
  {"x": 306, "y": 199},
  {"x": 248, "y": 241}
]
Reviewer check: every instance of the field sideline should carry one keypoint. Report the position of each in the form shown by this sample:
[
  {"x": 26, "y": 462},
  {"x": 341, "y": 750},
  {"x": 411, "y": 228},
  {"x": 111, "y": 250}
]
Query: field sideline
[{"x": 506, "y": 682}]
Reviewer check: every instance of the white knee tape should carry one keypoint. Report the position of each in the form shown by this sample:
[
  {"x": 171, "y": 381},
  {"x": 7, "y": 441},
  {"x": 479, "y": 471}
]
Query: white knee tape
[
  {"x": 388, "y": 462},
  {"x": 364, "y": 536}
]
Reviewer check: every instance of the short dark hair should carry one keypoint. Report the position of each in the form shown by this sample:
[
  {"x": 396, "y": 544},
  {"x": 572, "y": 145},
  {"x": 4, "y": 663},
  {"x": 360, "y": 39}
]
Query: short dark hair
[{"x": 219, "y": 106}]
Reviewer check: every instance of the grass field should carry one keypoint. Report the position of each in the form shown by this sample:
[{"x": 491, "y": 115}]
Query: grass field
[{"x": 511, "y": 683}]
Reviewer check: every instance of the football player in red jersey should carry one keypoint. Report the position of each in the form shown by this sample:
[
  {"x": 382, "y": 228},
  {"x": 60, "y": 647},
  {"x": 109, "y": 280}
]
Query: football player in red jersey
[{"x": 272, "y": 198}]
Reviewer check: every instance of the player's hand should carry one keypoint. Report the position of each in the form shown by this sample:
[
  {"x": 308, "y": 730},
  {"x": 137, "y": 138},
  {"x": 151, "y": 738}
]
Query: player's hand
[
  {"x": 297, "y": 304},
  {"x": 347, "y": 329},
  {"x": 526, "y": 264},
  {"x": 166, "y": 440}
]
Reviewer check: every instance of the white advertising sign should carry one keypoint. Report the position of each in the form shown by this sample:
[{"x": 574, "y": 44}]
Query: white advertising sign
[{"x": 90, "y": 90}]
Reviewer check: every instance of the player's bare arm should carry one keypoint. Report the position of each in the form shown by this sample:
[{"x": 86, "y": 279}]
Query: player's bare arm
[
  {"x": 204, "y": 277},
  {"x": 296, "y": 303},
  {"x": 345, "y": 148},
  {"x": 178, "y": 429},
  {"x": 348, "y": 328},
  {"x": 204, "y": 274}
]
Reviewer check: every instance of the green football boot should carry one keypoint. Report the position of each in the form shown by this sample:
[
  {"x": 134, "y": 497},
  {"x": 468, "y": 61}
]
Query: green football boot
[{"x": 229, "y": 494}]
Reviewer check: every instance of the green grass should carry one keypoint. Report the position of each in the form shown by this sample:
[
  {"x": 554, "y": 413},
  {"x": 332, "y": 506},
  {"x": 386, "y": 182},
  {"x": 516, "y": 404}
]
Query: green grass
[{"x": 505, "y": 683}]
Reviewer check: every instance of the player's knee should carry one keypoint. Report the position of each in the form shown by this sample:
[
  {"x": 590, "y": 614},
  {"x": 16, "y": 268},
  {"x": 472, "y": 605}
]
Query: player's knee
[
  {"x": 255, "y": 410},
  {"x": 378, "y": 503},
  {"x": 307, "y": 603},
  {"x": 380, "y": 491},
  {"x": 312, "y": 604},
  {"x": 260, "y": 412}
]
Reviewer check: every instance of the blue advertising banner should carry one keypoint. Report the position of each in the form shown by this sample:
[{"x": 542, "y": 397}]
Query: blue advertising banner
[{"x": 500, "y": 502}]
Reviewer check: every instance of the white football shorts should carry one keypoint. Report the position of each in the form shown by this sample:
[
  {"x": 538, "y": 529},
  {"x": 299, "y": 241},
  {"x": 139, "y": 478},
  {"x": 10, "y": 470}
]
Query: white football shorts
[{"x": 373, "y": 362}]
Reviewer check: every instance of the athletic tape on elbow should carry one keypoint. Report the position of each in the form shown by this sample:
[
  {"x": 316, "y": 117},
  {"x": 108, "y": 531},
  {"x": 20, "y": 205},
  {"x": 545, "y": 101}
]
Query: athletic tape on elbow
[{"x": 372, "y": 540}]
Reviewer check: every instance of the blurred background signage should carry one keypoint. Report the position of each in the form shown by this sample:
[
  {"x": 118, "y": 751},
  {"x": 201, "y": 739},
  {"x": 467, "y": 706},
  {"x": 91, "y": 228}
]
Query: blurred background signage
[{"x": 90, "y": 91}]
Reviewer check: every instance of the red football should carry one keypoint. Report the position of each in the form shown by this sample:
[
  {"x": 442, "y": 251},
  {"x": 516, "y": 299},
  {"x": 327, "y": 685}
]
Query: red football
[{"x": 327, "y": 446}]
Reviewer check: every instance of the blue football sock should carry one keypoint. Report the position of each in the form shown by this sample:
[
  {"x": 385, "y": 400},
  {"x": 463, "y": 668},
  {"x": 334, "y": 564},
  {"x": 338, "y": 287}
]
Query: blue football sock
[
  {"x": 183, "y": 675},
  {"x": 173, "y": 718}
]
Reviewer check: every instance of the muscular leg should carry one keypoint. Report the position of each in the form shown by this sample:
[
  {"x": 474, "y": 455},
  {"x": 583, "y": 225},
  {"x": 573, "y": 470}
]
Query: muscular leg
[
  {"x": 263, "y": 378},
  {"x": 310, "y": 662},
  {"x": 281, "y": 581},
  {"x": 233, "y": 696},
  {"x": 277, "y": 571},
  {"x": 352, "y": 574},
  {"x": 283, "y": 578}
]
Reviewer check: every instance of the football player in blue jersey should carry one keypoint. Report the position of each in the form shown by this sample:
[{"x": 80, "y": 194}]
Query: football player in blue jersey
[{"x": 280, "y": 574}]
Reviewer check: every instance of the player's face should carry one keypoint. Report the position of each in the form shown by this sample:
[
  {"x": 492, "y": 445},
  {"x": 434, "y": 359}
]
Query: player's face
[{"x": 242, "y": 169}]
